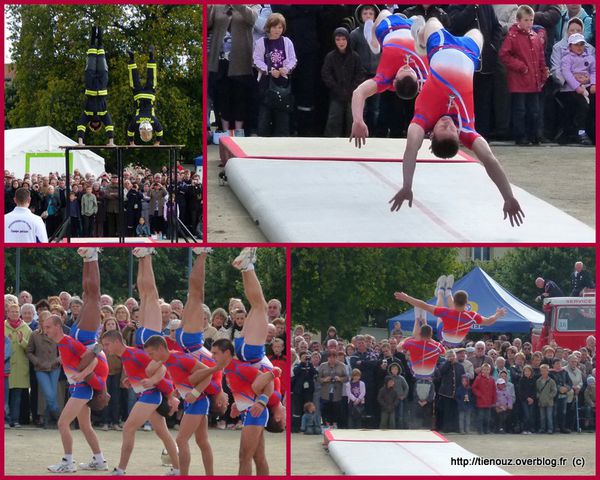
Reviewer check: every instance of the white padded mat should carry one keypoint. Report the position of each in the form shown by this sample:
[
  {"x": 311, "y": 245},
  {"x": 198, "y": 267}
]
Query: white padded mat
[
  {"x": 332, "y": 201},
  {"x": 328, "y": 148},
  {"x": 367, "y": 435},
  {"x": 405, "y": 458}
]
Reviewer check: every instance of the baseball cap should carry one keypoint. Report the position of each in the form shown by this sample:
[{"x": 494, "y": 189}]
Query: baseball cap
[
  {"x": 576, "y": 38},
  {"x": 500, "y": 381}
]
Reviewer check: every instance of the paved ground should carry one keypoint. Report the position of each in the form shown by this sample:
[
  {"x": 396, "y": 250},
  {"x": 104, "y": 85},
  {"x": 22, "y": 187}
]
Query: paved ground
[
  {"x": 562, "y": 176},
  {"x": 310, "y": 458},
  {"x": 30, "y": 450}
]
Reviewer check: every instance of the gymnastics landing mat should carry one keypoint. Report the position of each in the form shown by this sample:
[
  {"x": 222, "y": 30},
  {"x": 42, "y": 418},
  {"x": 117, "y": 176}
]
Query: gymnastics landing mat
[
  {"x": 405, "y": 458},
  {"x": 304, "y": 148},
  {"x": 368, "y": 435},
  {"x": 347, "y": 201}
]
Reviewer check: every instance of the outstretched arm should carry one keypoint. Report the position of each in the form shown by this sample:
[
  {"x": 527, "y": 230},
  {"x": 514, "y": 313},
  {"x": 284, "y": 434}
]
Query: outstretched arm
[
  {"x": 415, "y": 302},
  {"x": 360, "y": 132},
  {"x": 414, "y": 140},
  {"x": 512, "y": 209},
  {"x": 500, "y": 312}
]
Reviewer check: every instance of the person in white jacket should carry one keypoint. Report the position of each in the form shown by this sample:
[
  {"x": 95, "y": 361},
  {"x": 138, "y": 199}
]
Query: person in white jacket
[{"x": 21, "y": 225}]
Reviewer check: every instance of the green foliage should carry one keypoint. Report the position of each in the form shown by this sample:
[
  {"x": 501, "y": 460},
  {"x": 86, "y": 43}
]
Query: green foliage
[
  {"x": 346, "y": 286},
  {"x": 349, "y": 287},
  {"x": 49, "y": 50},
  {"x": 518, "y": 269},
  {"x": 48, "y": 271}
]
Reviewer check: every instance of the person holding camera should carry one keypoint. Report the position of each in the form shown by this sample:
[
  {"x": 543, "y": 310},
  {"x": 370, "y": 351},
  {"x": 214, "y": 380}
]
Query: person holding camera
[{"x": 332, "y": 375}]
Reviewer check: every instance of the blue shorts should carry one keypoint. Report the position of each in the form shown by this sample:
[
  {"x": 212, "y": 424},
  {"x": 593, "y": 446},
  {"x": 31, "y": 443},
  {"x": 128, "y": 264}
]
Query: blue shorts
[
  {"x": 152, "y": 396},
  {"x": 190, "y": 342},
  {"x": 391, "y": 24},
  {"x": 248, "y": 353},
  {"x": 87, "y": 337},
  {"x": 199, "y": 407},
  {"x": 143, "y": 334},
  {"x": 81, "y": 390},
  {"x": 260, "y": 421}
]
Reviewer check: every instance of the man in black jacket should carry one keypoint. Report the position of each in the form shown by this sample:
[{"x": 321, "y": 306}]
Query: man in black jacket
[
  {"x": 482, "y": 17},
  {"x": 580, "y": 279},
  {"x": 449, "y": 375}
]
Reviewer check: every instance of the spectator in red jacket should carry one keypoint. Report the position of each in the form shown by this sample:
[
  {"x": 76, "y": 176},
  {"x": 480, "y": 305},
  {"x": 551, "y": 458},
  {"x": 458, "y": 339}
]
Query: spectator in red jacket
[
  {"x": 523, "y": 54},
  {"x": 278, "y": 360},
  {"x": 484, "y": 389}
]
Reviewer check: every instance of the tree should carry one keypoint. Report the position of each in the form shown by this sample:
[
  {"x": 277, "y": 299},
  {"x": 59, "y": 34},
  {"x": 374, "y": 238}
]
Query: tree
[
  {"x": 49, "y": 44},
  {"x": 517, "y": 270},
  {"x": 45, "y": 272}
]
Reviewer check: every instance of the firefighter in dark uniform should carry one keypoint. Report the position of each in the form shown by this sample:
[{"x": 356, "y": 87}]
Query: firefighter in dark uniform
[
  {"x": 95, "y": 113},
  {"x": 144, "y": 97}
]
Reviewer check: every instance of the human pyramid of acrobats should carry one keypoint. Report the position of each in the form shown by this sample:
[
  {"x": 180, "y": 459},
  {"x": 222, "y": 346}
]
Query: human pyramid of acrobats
[
  {"x": 163, "y": 372},
  {"x": 95, "y": 113}
]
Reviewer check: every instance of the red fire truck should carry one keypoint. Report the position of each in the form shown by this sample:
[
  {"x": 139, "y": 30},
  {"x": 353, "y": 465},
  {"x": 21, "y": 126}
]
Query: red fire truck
[{"x": 569, "y": 321}]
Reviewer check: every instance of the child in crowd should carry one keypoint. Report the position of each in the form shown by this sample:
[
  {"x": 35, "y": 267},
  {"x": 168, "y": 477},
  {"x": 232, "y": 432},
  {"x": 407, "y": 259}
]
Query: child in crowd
[
  {"x": 578, "y": 68},
  {"x": 484, "y": 389},
  {"x": 388, "y": 401},
  {"x": 274, "y": 58},
  {"x": 527, "y": 396},
  {"x": 311, "y": 423},
  {"x": 401, "y": 387},
  {"x": 74, "y": 214},
  {"x": 466, "y": 403},
  {"x": 546, "y": 392},
  {"x": 89, "y": 208},
  {"x": 523, "y": 54},
  {"x": 355, "y": 391},
  {"x": 504, "y": 404},
  {"x": 342, "y": 73},
  {"x": 142, "y": 229}
]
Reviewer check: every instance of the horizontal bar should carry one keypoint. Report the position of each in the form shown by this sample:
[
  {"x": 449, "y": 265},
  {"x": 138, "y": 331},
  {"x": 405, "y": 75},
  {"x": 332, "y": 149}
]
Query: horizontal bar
[{"x": 109, "y": 147}]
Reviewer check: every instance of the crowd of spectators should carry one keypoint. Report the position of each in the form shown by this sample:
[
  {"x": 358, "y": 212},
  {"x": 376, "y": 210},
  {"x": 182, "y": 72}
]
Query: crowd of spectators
[
  {"x": 533, "y": 86},
  {"x": 93, "y": 203},
  {"x": 493, "y": 385},
  {"x": 36, "y": 388}
]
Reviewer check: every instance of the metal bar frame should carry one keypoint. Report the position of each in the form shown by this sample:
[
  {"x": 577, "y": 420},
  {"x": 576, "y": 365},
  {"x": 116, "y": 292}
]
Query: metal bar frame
[{"x": 119, "y": 149}]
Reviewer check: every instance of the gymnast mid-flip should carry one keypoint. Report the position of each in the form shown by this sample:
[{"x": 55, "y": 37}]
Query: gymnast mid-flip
[{"x": 95, "y": 112}]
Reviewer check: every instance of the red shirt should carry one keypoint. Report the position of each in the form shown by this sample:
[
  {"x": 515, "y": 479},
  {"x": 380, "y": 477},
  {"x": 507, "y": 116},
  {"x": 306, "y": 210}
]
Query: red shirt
[
  {"x": 447, "y": 91},
  {"x": 424, "y": 355},
  {"x": 203, "y": 355},
  {"x": 484, "y": 390},
  {"x": 456, "y": 324},
  {"x": 394, "y": 55},
  {"x": 239, "y": 376},
  {"x": 180, "y": 366},
  {"x": 71, "y": 351}
]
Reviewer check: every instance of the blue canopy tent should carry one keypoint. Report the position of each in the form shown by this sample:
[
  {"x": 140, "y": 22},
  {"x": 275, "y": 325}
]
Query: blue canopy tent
[{"x": 485, "y": 295}]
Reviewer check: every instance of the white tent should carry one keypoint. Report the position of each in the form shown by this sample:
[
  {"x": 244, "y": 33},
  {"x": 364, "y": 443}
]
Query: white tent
[{"x": 35, "y": 150}]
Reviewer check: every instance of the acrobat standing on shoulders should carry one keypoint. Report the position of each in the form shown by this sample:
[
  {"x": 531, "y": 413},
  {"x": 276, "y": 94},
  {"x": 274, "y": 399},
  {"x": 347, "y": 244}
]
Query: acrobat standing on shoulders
[{"x": 144, "y": 120}]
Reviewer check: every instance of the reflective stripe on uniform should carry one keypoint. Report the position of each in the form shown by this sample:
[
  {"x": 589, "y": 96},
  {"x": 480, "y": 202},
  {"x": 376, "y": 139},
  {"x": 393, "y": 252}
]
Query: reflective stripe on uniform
[
  {"x": 102, "y": 93},
  {"x": 149, "y": 96},
  {"x": 81, "y": 128},
  {"x": 91, "y": 93},
  {"x": 109, "y": 128},
  {"x": 100, "y": 114},
  {"x": 92, "y": 51}
]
